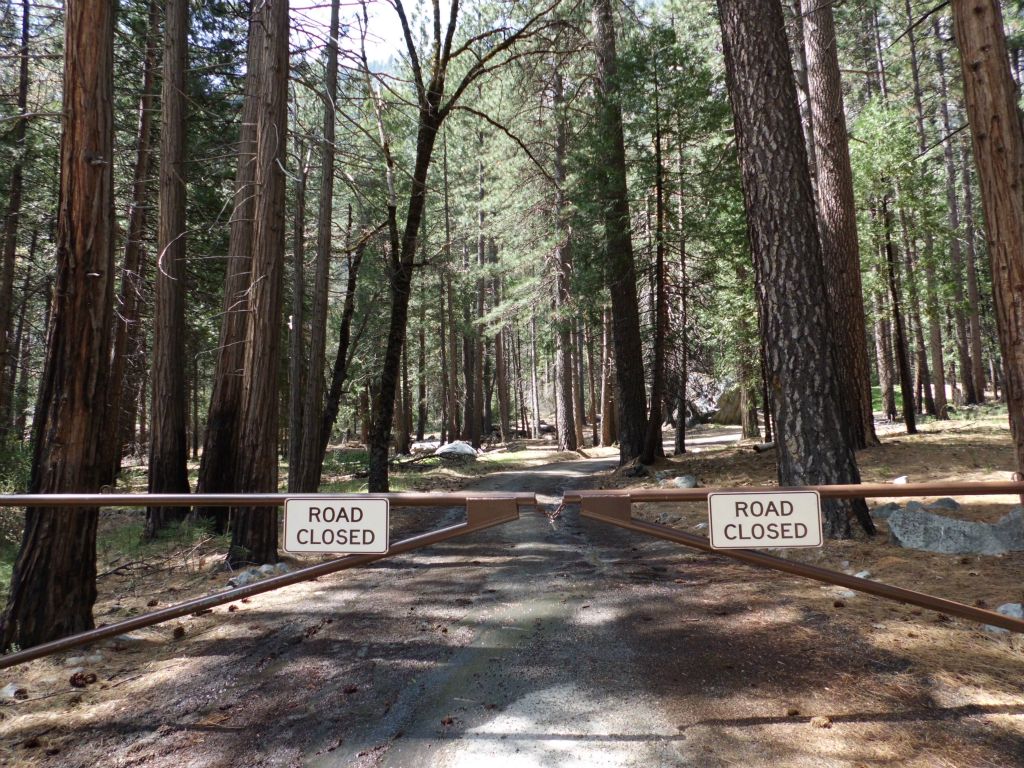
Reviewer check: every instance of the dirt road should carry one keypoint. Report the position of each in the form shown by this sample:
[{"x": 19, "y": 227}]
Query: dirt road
[{"x": 533, "y": 644}]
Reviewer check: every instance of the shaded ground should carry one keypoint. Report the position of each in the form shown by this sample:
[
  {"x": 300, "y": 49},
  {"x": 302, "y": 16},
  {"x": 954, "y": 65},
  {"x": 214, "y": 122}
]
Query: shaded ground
[{"x": 553, "y": 644}]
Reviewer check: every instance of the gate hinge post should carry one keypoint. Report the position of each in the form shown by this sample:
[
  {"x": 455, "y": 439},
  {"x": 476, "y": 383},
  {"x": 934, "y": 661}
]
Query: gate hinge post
[
  {"x": 616, "y": 508},
  {"x": 486, "y": 511}
]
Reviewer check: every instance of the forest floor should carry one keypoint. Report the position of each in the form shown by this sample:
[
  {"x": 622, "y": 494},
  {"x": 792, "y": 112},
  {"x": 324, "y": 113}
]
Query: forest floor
[{"x": 540, "y": 643}]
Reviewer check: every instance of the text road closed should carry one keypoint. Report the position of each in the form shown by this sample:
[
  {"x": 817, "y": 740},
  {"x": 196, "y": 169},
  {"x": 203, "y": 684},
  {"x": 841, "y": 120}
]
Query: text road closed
[
  {"x": 741, "y": 520},
  {"x": 344, "y": 525}
]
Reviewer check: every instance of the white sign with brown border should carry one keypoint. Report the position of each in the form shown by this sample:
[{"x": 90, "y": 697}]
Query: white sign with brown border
[
  {"x": 340, "y": 525},
  {"x": 760, "y": 519}
]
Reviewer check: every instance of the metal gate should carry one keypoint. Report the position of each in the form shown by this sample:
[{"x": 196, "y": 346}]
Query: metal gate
[
  {"x": 486, "y": 510},
  {"x": 615, "y": 507},
  {"x": 483, "y": 510}
]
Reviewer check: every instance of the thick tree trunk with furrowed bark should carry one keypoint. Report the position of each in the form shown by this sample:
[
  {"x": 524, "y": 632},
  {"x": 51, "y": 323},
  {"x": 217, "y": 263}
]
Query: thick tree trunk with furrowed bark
[
  {"x": 168, "y": 446},
  {"x": 254, "y": 530},
  {"x": 53, "y": 585},
  {"x": 218, "y": 459},
  {"x": 630, "y": 397},
  {"x": 812, "y": 445},
  {"x": 998, "y": 142},
  {"x": 838, "y": 222}
]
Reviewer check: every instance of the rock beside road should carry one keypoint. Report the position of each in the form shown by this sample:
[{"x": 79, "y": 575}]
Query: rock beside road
[{"x": 915, "y": 528}]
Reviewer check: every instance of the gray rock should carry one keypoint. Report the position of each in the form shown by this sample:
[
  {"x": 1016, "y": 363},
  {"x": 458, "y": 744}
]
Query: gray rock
[
  {"x": 661, "y": 476},
  {"x": 846, "y": 593},
  {"x": 1011, "y": 529},
  {"x": 947, "y": 504},
  {"x": 685, "y": 481},
  {"x": 1013, "y": 610},
  {"x": 863, "y": 574},
  {"x": 248, "y": 576},
  {"x": 267, "y": 570},
  {"x": 914, "y": 506},
  {"x": 936, "y": 533},
  {"x": 282, "y": 568},
  {"x": 882, "y": 511},
  {"x": 456, "y": 448}
]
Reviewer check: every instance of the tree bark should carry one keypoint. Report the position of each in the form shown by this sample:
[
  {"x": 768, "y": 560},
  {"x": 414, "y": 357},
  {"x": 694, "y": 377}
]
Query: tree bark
[
  {"x": 899, "y": 333},
  {"x": 998, "y": 142},
  {"x": 53, "y": 585},
  {"x": 609, "y": 431},
  {"x": 956, "y": 259},
  {"x": 311, "y": 458},
  {"x": 254, "y": 530},
  {"x": 339, "y": 373},
  {"x": 973, "y": 292},
  {"x": 883, "y": 346},
  {"x": 123, "y": 395},
  {"x": 297, "y": 372},
  {"x": 217, "y": 466},
  {"x": 620, "y": 270},
  {"x": 653, "y": 445},
  {"x": 561, "y": 263},
  {"x": 838, "y": 222},
  {"x": 168, "y": 444},
  {"x": 812, "y": 445},
  {"x": 931, "y": 279},
  {"x": 11, "y": 220},
  {"x": 921, "y": 351}
]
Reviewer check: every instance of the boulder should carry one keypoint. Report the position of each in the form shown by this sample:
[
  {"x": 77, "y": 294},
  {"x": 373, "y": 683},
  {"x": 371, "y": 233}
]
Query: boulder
[
  {"x": 936, "y": 533},
  {"x": 883, "y": 511},
  {"x": 1013, "y": 610},
  {"x": 456, "y": 448},
  {"x": 684, "y": 481},
  {"x": 728, "y": 407},
  {"x": 944, "y": 504},
  {"x": 421, "y": 447}
]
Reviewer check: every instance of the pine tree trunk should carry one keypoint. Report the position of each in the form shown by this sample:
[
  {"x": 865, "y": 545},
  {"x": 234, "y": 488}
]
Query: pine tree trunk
[
  {"x": 899, "y": 333},
  {"x": 838, "y": 222},
  {"x": 630, "y": 397},
  {"x": 883, "y": 345},
  {"x": 973, "y": 293},
  {"x": 401, "y": 279},
  {"x": 254, "y": 530},
  {"x": 534, "y": 388},
  {"x": 998, "y": 143},
  {"x": 609, "y": 429},
  {"x": 921, "y": 353},
  {"x": 168, "y": 445},
  {"x": 955, "y": 254},
  {"x": 296, "y": 340},
  {"x": 310, "y": 456},
  {"x": 9, "y": 243},
  {"x": 653, "y": 445},
  {"x": 592, "y": 401},
  {"x": 217, "y": 466},
  {"x": 53, "y": 584},
  {"x": 339, "y": 372},
  {"x": 122, "y": 394},
  {"x": 812, "y": 445},
  {"x": 938, "y": 366},
  {"x": 561, "y": 263},
  {"x": 421, "y": 375},
  {"x": 679, "y": 446}
]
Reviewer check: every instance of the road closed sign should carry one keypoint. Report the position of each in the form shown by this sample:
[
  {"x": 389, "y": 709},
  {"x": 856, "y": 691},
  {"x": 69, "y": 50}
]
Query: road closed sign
[
  {"x": 753, "y": 519},
  {"x": 340, "y": 525}
]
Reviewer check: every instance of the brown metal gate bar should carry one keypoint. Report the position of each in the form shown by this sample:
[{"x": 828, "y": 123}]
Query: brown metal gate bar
[
  {"x": 615, "y": 507},
  {"x": 482, "y": 511}
]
